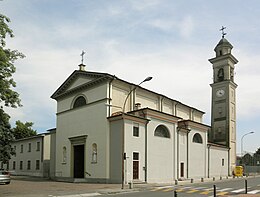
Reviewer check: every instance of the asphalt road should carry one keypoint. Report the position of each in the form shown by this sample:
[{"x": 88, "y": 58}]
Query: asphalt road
[
  {"x": 223, "y": 188},
  {"x": 35, "y": 187}
]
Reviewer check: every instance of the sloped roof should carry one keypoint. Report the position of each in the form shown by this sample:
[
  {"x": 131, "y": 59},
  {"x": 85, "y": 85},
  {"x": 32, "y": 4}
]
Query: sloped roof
[{"x": 98, "y": 78}]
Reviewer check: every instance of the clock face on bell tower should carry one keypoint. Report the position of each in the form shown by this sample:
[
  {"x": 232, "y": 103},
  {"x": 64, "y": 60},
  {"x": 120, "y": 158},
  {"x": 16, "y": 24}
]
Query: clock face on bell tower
[{"x": 223, "y": 117}]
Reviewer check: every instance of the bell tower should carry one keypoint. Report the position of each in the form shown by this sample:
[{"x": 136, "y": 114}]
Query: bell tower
[{"x": 223, "y": 107}]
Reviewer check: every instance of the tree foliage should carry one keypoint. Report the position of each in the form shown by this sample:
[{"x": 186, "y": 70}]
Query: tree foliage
[
  {"x": 257, "y": 152},
  {"x": 23, "y": 130},
  {"x": 6, "y": 137},
  {"x": 7, "y": 58},
  {"x": 8, "y": 97}
]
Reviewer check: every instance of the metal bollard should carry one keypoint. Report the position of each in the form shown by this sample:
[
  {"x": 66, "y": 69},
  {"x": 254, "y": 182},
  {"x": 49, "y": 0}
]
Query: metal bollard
[
  {"x": 175, "y": 193},
  {"x": 220, "y": 178},
  {"x": 130, "y": 185},
  {"x": 202, "y": 179},
  {"x": 215, "y": 192},
  {"x": 213, "y": 178},
  {"x": 176, "y": 182},
  {"x": 191, "y": 180},
  {"x": 245, "y": 186}
]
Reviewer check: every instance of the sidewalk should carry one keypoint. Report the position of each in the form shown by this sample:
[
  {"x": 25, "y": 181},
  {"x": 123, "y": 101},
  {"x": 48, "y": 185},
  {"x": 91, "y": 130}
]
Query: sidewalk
[{"x": 31, "y": 185}]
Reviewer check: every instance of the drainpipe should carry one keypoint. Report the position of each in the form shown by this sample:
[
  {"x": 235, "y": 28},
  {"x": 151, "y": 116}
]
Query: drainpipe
[
  {"x": 146, "y": 146},
  {"x": 175, "y": 109},
  {"x": 188, "y": 131},
  {"x": 162, "y": 104},
  {"x": 209, "y": 160},
  {"x": 178, "y": 168},
  {"x": 123, "y": 151},
  {"x": 229, "y": 162},
  {"x": 109, "y": 96}
]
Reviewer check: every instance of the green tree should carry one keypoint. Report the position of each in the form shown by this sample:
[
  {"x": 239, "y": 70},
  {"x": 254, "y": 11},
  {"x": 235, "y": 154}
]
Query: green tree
[
  {"x": 257, "y": 152},
  {"x": 6, "y": 137},
  {"x": 23, "y": 130},
  {"x": 7, "y": 57},
  {"x": 8, "y": 97}
]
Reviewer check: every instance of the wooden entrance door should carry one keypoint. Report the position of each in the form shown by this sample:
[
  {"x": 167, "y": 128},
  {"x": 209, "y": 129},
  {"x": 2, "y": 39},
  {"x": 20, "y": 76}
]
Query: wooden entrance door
[
  {"x": 79, "y": 161},
  {"x": 135, "y": 169}
]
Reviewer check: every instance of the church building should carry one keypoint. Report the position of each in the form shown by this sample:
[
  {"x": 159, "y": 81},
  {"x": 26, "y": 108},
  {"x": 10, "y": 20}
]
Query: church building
[{"x": 112, "y": 131}]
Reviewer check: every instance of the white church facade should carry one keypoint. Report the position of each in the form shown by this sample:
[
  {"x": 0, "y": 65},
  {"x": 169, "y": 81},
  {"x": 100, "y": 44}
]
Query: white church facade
[{"x": 112, "y": 131}]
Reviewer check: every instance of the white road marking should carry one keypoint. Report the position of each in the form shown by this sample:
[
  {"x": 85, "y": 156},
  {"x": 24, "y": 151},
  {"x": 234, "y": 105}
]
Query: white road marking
[
  {"x": 82, "y": 195},
  {"x": 253, "y": 192},
  {"x": 199, "y": 188},
  {"x": 238, "y": 190},
  {"x": 222, "y": 190}
]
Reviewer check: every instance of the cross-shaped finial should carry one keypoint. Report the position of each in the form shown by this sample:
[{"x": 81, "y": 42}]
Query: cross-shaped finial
[
  {"x": 82, "y": 56},
  {"x": 223, "y": 33}
]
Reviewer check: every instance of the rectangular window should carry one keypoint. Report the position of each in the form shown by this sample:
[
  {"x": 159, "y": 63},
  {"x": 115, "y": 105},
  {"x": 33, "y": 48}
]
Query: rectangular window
[
  {"x": 38, "y": 146},
  {"x": 37, "y": 164},
  {"x": 21, "y": 148},
  {"x": 15, "y": 151},
  {"x": 21, "y": 165},
  {"x": 223, "y": 162},
  {"x": 29, "y": 147},
  {"x": 29, "y": 165},
  {"x": 13, "y": 165},
  {"x": 136, "y": 130},
  {"x": 135, "y": 156}
]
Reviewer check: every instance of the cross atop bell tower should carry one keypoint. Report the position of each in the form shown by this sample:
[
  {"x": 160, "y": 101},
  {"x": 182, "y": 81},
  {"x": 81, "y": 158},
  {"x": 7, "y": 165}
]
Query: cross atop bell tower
[{"x": 223, "y": 33}]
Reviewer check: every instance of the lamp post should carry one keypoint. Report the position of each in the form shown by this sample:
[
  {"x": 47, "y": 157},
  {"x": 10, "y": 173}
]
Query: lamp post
[
  {"x": 242, "y": 142},
  {"x": 123, "y": 130},
  {"x": 146, "y": 79}
]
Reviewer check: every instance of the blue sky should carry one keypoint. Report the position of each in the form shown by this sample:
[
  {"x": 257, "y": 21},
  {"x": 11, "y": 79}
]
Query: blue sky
[{"x": 169, "y": 40}]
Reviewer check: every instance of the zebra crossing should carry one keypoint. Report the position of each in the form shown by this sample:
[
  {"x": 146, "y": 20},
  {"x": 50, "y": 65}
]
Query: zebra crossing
[{"x": 206, "y": 190}]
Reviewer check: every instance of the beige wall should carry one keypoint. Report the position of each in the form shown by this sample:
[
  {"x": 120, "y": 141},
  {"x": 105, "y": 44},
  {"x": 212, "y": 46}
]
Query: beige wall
[
  {"x": 216, "y": 154},
  {"x": 116, "y": 150},
  {"x": 43, "y": 155},
  {"x": 198, "y": 155},
  {"x": 151, "y": 100},
  {"x": 90, "y": 120}
]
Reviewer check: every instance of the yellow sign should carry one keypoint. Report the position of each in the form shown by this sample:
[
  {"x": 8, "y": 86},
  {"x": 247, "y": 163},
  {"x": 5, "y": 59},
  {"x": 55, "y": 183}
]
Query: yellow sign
[{"x": 239, "y": 171}]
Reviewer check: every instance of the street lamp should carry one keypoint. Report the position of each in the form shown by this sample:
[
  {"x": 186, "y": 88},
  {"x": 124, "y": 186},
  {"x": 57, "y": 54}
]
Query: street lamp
[
  {"x": 123, "y": 137},
  {"x": 242, "y": 142},
  {"x": 146, "y": 79}
]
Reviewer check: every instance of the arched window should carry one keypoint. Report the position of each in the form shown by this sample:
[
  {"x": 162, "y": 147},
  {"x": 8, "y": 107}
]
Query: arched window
[
  {"x": 162, "y": 131},
  {"x": 80, "y": 101},
  {"x": 197, "y": 138},
  {"x": 94, "y": 153},
  {"x": 64, "y": 155}
]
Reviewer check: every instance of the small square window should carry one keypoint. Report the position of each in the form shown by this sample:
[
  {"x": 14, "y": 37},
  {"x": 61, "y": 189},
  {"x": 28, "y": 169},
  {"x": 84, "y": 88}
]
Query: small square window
[
  {"x": 223, "y": 162},
  {"x": 135, "y": 156}
]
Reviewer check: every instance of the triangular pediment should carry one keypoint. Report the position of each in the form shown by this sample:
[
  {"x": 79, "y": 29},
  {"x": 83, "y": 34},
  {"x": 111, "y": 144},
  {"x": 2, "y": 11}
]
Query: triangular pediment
[{"x": 78, "y": 80}]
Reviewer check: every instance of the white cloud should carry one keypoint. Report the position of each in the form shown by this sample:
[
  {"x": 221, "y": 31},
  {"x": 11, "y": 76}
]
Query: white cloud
[{"x": 186, "y": 26}]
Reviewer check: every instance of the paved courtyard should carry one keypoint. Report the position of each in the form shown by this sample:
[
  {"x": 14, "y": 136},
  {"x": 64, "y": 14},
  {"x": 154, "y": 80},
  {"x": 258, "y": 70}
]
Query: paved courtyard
[{"x": 30, "y": 186}]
